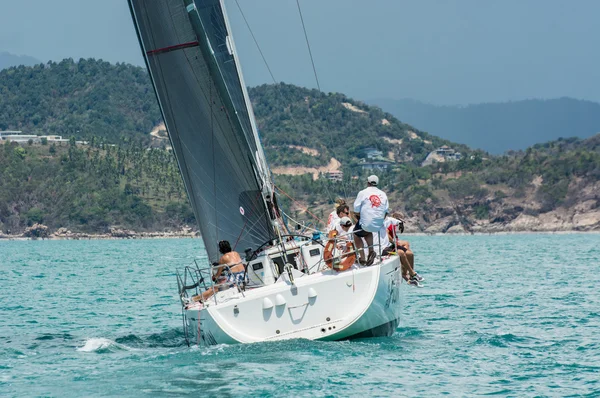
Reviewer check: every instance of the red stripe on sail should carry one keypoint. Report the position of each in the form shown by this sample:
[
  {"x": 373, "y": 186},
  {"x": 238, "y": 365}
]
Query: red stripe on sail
[{"x": 172, "y": 48}]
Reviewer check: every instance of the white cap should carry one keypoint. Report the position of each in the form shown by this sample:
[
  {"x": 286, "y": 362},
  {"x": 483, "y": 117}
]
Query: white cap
[
  {"x": 373, "y": 180},
  {"x": 345, "y": 220}
]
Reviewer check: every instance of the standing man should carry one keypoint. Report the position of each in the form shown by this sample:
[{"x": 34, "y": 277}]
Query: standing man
[{"x": 370, "y": 207}]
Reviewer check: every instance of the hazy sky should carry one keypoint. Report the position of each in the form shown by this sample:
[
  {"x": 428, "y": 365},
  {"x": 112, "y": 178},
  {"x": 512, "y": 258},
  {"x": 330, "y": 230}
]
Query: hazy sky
[{"x": 442, "y": 52}]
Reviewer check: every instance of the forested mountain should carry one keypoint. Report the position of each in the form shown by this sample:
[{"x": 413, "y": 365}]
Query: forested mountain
[
  {"x": 84, "y": 99},
  {"x": 90, "y": 188},
  {"x": 7, "y": 60},
  {"x": 94, "y": 99},
  {"x": 117, "y": 180},
  {"x": 498, "y": 127},
  {"x": 334, "y": 125}
]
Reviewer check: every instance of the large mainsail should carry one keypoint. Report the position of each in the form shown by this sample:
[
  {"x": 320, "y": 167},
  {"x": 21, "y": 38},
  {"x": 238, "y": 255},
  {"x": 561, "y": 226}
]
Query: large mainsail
[{"x": 190, "y": 56}]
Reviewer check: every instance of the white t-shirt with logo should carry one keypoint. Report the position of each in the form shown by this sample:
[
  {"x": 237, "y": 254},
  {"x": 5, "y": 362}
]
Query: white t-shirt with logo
[
  {"x": 332, "y": 221},
  {"x": 381, "y": 239},
  {"x": 391, "y": 225},
  {"x": 372, "y": 204},
  {"x": 346, "y": 235}
]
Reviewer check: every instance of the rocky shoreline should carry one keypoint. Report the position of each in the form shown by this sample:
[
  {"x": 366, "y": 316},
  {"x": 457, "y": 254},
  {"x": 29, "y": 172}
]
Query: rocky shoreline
[
  {"x": 506, "y": 218},
  {"x": 39, "y": 231},
  {"x": 410, "y": 230}
]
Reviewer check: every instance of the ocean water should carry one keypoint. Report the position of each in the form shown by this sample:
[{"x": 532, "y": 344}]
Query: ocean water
[{"x": 514, "y": 315}]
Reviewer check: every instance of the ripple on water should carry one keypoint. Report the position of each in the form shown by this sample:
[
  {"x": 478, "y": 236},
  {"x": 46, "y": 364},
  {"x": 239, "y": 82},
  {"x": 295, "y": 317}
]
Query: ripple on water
[{"x": 98, "y": 311}]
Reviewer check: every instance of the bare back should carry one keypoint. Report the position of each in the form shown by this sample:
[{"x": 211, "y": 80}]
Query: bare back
[{"x": 232, "y": 258}]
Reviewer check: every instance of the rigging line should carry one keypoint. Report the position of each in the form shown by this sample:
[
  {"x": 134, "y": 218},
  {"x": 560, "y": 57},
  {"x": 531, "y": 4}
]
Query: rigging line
[
  {"x": 255, "y": 41},
  {"x": 245, "y": 222},
  {"x": 305, "y": 209},
  {"x": 303, "y": 224},
  {"x": 222, "y": 73},
  {"x": 318, "y": 86},
  {"x": 308, "y": 45},
  {"x": 277, "y": 86}
]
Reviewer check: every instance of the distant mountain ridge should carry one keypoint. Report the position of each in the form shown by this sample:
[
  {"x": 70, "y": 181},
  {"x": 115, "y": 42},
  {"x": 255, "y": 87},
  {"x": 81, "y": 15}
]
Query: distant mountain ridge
[
  {"x": 7, "y": 60},
  {"x": 93, "y": 99},
  {"x": 499, "y": 127}
]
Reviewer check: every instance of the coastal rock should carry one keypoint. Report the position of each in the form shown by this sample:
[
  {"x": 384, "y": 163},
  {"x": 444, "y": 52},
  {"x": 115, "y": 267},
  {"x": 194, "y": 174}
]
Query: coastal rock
[
  {"x": 557, "y": 220},
  {"x": 524, "y": 223},
  {"x": 36, "y": 231},
  {"x": 412, "y": 224},
  {"x": 587, "y": 221},
  {"x": 456, "y": 229},
  {"x": 121, "y": 233},
  {"x": 585, "y": 206},
  {"x": 441, "y": 225}
]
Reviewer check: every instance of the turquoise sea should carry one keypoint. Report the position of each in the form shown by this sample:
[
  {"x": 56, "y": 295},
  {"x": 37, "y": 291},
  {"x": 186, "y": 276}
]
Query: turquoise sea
[{"x": 514, "y": 315}]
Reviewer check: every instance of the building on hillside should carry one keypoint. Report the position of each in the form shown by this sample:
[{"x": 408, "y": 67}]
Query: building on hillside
[
  {"x": 20, "y": 138},
  {"x": 7, "y": 133},
  {"x": 440, "y": 155},
  {"x": 337, "y": 175},
  {"x": 444, "y": 150},
  {"x": 373, "y": 153},
  {"x": 376, "y": 165},
  {"x": 58, "y": 138},
  {"x": 454, "y": 156}
]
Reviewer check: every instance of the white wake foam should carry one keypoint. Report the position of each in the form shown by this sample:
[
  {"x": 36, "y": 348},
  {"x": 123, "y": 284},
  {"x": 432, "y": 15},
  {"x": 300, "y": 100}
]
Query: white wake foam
[{"x": 98, "y": 343}]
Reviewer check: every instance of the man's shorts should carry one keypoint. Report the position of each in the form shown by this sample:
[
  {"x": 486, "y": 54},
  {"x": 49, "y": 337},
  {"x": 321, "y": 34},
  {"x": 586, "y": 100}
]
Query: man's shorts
[
  {"x": 235, "y": 277},
  {"x": 358, "y": 231}
]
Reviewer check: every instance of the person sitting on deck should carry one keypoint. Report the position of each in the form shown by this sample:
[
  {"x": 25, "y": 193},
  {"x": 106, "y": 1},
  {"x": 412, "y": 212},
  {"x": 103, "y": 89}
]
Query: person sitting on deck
[
  {"x": 229, "y": 271},
  {"x": 370, "y": 207},
  {"x": 344, "y": 228},
  {"x": 334, "y": 216},
  {"x": 341, "y": 211},
  {"x": 394, "y": 226}
]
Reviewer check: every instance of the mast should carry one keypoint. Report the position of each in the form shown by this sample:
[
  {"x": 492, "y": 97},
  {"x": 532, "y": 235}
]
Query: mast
[{"x": 191, "y": 59}]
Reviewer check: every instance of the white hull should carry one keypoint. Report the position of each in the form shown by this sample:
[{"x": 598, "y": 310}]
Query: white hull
[{"x": 326, "y": 305}]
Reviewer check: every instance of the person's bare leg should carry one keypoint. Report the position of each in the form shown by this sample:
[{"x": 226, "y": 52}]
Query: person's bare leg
[
  {"x": 359, "y": 248},
  {"x": 404, "y": 272},
  {"x": 403, "y": 243},
  {"x": 411, "y": 259},
  {"x": 407, "y": 270},
  {"x": 208, "y": 293}
]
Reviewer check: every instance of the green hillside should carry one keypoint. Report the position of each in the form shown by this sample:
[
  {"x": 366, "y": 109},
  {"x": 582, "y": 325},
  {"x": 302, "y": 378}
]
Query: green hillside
[
  {"x": 333, "y": 124},
  {"x": 84, "y": 99},
  {"x": 89, "y": 189},
  {"x": 117, "y": 180}
]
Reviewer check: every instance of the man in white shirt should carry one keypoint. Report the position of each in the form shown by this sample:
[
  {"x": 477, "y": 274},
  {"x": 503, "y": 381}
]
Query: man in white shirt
[
  {"x": 341, "y": 210},
  {"x": 370, "y": 207}
]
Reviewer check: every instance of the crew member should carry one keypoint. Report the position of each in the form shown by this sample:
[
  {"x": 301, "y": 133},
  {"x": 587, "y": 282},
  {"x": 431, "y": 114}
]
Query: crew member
[
  {"x": 370, "y": 206},
  {"x": 334, "y": 217},
  {"x": 229, "y": 272}
]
